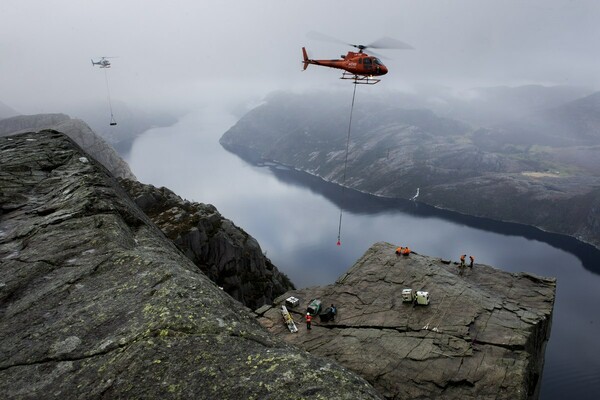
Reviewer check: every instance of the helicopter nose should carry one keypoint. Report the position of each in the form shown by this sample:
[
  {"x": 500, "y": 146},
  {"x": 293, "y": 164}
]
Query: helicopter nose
[{"x": 383, "y": 70}]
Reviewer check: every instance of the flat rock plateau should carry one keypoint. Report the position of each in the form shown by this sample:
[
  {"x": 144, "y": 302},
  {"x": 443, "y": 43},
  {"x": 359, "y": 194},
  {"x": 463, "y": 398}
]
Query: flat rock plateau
[{"x": 482, "y": 336}]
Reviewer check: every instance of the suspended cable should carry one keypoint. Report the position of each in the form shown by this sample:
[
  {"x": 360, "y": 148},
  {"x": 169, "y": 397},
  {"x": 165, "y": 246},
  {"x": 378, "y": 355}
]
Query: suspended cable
[
  {"x": 339, "y": 242},
  {"x": 112, "y": 118}
]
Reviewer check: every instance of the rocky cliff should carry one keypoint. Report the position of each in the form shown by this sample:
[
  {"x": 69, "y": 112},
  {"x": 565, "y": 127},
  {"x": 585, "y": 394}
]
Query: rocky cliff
[
  {"x": 483, "y": 335},
  {"x": 224, "y": 252},
  {"x": 95, "y": 302},
  {"x": 501, "y": 173},
  {"x": 77, "y": 130}
]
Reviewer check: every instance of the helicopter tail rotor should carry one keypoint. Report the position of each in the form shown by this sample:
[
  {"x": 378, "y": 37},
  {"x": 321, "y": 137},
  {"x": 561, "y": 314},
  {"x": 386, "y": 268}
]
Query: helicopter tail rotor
[{"x": 306, "y": 60}]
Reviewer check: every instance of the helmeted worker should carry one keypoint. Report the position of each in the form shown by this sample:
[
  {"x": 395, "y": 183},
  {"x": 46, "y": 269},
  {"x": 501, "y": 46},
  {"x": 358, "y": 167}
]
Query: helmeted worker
[
  {"x": 462, "y": 260},
  {"x": 399, "y": 250},
  {"x": 472, "y": 260},
  {"x": 405, "y": 251},
  {"x": 308, "y": 320}
]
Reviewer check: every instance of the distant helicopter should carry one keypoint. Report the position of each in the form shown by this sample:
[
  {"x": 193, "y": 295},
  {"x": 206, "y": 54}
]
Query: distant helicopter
[
  {"x": 103, "y": 62},
  {"x": 358, "y": 66}
]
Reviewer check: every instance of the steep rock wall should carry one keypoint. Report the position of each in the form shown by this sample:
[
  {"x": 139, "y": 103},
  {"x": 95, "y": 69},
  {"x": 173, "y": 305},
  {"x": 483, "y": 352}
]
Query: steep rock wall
[{"x": 224, "y": 252}]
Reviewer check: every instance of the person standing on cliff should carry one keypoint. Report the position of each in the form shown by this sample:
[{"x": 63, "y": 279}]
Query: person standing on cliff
[
  {"x": 472, "y": 260},
  {"x": 462, "y": 260},
  {"x": 308, "y": 320}
]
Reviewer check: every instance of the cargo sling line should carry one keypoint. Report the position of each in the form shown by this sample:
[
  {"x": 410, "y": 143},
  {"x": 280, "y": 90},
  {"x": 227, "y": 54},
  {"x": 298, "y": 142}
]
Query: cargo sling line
[
  {"x": 345, "y": 165},
  {"x": 112, "y": 118}
]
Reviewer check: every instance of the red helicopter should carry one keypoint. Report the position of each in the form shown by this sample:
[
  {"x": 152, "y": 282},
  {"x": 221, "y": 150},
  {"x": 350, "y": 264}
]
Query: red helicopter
[{"x": 358, "y": 66}]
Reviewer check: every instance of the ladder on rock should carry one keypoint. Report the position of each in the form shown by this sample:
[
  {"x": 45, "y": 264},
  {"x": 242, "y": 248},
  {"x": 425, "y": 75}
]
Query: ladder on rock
[{"x": 289, "y": 321}]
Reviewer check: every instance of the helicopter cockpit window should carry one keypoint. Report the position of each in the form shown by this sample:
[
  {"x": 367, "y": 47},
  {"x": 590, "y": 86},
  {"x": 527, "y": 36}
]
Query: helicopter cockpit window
[
  {"x": 377, "y": 61},
  {"x": 367, "y": 61}
]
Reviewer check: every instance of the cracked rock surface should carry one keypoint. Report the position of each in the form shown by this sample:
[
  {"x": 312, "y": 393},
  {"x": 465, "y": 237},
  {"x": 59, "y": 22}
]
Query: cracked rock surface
[
  {"x": 482, "y": 336},
  {"x": 95, "y": 302}
]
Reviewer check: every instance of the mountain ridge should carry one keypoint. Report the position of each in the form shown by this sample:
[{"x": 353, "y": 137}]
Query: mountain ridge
[
  {"x": 76, "y": 129},
  {"x": 487, "y": 172}
]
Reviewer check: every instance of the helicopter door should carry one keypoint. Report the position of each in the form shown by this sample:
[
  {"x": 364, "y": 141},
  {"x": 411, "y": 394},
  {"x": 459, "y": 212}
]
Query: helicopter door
[{"x": 367, "y": 63}]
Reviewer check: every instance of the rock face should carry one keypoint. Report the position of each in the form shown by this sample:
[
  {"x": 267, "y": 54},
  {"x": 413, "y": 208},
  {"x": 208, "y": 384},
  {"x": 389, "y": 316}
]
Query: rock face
[
  {"x": 77, "y": 130},
  {"x": 224, "y": 252},
  {"x": 95, "y": 302},
  {"x": 500, "y": 172},
  {"x": 483, "y": 334}
]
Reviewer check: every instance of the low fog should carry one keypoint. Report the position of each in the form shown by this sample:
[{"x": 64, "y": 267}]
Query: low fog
[{"x": 176, "y": 56}]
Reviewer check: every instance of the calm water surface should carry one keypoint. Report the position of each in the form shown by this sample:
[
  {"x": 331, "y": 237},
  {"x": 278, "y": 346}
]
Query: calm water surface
[{"x": 295, "y": 219}]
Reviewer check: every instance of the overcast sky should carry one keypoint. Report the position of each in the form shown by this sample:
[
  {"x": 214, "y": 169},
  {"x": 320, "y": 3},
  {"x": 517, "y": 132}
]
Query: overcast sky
[{"x": 182, "y": 52}]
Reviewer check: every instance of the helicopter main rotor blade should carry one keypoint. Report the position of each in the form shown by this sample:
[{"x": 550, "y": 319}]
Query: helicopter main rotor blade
[
  {"x": 383, "y": 43},
  {"x": 389, "y": 43}
]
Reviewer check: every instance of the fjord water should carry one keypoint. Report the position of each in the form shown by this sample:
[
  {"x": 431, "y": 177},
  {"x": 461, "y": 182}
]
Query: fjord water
[{"x": 295, "y": 218}]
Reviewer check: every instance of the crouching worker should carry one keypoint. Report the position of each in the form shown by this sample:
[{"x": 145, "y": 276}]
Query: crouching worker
[{"x": 329, "y": 314}]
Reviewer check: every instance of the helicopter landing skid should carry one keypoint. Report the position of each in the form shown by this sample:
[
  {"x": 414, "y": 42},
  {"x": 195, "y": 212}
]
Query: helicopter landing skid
[{"x": 360, "y": 79}]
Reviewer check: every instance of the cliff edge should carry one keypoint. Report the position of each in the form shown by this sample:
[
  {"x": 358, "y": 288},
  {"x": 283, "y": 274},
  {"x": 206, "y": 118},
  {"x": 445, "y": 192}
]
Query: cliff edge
[
  {"x": 77, "y": 130},
  {"x": 226, "y": 254},
  {"x": 483, "y": 334}
]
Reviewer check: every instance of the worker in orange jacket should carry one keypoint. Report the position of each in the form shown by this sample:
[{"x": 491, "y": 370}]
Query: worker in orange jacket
[
  {"x": 472, "y": 260},
  {"x": 308, "y": 320},
  {"x": 462, "y": 260}
]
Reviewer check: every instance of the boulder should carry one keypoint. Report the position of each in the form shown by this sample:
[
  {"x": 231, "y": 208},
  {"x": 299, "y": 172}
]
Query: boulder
[{"x": 483, "y": 334}]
